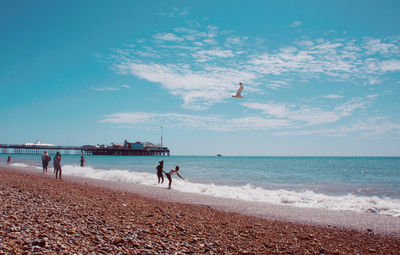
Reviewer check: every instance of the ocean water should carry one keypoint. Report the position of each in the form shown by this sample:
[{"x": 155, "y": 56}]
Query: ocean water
[{"x": 361, "y": 184}]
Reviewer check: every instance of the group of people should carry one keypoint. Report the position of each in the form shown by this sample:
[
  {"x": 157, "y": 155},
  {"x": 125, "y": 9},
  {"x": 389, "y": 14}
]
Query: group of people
[
  {"x": 46, "y": 158},
  {"x": 56, "y": 163},
  {"x": 160, "y": 172}
]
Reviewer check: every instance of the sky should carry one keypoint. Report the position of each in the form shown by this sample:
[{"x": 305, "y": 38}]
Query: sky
[{"x": 321, "y": 78}]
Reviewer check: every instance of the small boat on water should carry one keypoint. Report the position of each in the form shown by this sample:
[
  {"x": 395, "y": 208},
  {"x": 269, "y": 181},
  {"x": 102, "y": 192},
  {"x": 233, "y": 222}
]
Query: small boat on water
[{"x": 219, "y": 155}]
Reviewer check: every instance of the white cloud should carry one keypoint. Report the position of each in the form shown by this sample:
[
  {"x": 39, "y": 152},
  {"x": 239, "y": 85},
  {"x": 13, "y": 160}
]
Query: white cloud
[
  {"x": 278, "y": 110},
  {"x": 184, "y": 13},
  {"x": 305, "y": 43},
  {"x": 175, "y": 12},
  {"x": 367, "y": 127},
  {"x": 390, "y": 65},
  {"x": 333, "y": 96},
  {"x": 106, "y": 89},
  {"x": 295, "y": 24},
  {"x": 374, "y": 46},
  {"x": 370, "y": 127},
  {"x": 201, "y": 65},
  {"x": 211, "y": 27},
  {"x": 195, "y": 122},
  {"x": 199, "y": 89},
  {"x": 210, "y": 41},
  {"x": 314, "y": 116},
  {"x": 283, "y": 118},
  {"x": 346, "y": 109},
  {"x": 311, "y": 115},
  {"x": 128, "y": 118},
  {"x": 204, "y": 55},
  {"x": 167, "y": 37},
  {"x": 277, "y": 84},
  {"x": 233, "y": 40}
]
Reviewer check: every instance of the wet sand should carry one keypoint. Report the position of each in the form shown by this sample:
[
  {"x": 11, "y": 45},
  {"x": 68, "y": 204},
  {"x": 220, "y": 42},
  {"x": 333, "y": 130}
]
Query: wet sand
[{"x": 43, "y": 215}]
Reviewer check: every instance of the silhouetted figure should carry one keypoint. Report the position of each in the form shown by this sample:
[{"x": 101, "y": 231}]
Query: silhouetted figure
[
  {"x": 160, "y": 171},
  {"x": 82, "y": 161},
  {"x": 45, "y": 161},
  {"x": 57, "y": 165},
  {"x": 9, "y": 160},
  {"x": 173, "y": 171}
]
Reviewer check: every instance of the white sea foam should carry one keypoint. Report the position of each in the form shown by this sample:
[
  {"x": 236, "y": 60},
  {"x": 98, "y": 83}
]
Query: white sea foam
[
  {"x": 23, "y": 165},
  {"x": 310, "y": 199},
  {"x": 20, "y": 165},
  {"x": 387, "y": 206}
]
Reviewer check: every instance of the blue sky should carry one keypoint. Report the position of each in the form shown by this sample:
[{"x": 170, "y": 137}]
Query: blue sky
[{"x": 320, "y": 77}]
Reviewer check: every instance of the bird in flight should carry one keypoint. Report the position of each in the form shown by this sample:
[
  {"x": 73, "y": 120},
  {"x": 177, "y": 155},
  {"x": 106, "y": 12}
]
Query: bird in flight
[{"x": 238, "y": 93}]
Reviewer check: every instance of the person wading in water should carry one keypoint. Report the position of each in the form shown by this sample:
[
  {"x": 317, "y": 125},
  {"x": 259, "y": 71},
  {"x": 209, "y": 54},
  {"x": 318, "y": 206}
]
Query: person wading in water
[
  {"x": 82, "y": 161},
  {"x": 57, "y": 165},
  {"x": 160, "y": 172},
  {"x": 173, "y": 171},
  {"x": 45, "y": 161}
]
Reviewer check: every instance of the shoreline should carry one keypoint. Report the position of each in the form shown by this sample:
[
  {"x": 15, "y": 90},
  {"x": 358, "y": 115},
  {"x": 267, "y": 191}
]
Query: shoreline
[
  {"x": 360, "y": 221},
  {"x": 208, "y": 219}
]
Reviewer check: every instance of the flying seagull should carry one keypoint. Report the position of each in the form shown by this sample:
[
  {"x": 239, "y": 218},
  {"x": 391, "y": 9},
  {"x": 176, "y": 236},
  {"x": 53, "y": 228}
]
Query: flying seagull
[{"x": 238, "y": 93}]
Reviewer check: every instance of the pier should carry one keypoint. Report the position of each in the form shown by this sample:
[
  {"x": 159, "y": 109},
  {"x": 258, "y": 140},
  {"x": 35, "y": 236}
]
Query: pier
[{"x": 84, "y": 150}]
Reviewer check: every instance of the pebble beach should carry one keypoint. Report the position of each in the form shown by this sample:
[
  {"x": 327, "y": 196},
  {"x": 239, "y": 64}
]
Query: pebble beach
[{"x": 42, "y": 215}]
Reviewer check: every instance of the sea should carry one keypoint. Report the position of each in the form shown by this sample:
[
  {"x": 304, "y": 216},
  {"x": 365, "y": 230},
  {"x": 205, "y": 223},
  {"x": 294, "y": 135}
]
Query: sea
[{"x": 360, "y": 184}]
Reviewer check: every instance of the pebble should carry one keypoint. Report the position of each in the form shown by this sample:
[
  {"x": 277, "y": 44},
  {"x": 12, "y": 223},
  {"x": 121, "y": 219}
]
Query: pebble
[{"x": 40, "y": 215}]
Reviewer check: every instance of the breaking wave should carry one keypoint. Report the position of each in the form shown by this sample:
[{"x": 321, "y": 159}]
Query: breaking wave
[{"x": 307, "y": 198}]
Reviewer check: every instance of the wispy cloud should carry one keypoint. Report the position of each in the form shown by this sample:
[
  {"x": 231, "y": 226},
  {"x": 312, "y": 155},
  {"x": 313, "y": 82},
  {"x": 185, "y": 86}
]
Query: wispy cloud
[
  {"x": 281, "y": 120},
  {"x": 176, "y": 12},
  {"x": 390, "y": 65},
  {"x": 295, "y": 24},
  {"x": 205, "y": 55},
  {"x": 202, "y": 65},
  {"x": 111, "y": 88},
  {"x": 215, "y": 123},
  {"x": 306, "y": 115},
  {"x": 376, "y": 46},
  {"x": 199, "y": 89},
  {"x": 267, "y": 116},
  {"x": 167, "y": 37},
  {"x": 106, "y": 89},
  {"x": 370, "y": 127},
  {"x": 333, "y": 96}
]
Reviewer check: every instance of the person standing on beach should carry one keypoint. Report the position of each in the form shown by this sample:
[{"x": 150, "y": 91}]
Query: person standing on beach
[
  {"x": 45, "y": 161},
  {"x": 82, "y": 161},
  {"x": 173, "y": 171},
  {"x": 160, "y": 171},
  {"x": 57, "y": 165},
  {"x": 9, "y": 160}
]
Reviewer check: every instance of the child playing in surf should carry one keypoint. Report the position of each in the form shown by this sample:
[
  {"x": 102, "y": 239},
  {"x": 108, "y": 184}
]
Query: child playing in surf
[{"x": 173, "y": 171}]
